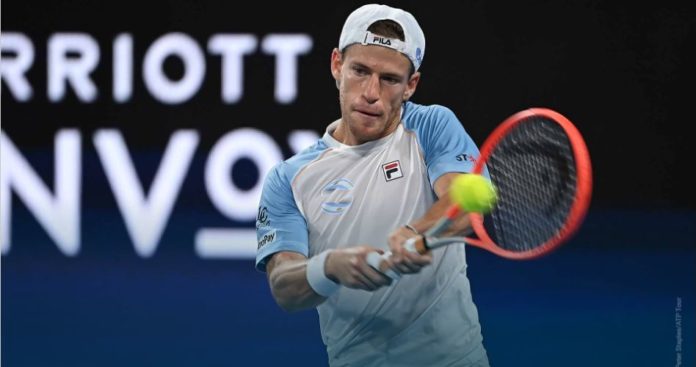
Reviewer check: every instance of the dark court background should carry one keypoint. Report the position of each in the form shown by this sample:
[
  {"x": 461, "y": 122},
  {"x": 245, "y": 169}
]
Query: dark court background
[{"x": 134, "y": 136}]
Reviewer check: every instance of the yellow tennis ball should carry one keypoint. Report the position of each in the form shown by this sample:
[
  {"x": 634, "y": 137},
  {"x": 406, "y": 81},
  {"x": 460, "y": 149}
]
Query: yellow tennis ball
[{"x": 474, "y": 193}]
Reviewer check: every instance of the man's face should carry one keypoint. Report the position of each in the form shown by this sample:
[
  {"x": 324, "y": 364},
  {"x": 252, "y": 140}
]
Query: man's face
[{"x": 373, "y": 82}]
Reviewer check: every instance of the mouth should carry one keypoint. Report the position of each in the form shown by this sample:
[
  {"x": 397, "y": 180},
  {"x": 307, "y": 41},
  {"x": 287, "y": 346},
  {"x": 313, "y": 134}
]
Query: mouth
[{"x": 368, "y": 113}]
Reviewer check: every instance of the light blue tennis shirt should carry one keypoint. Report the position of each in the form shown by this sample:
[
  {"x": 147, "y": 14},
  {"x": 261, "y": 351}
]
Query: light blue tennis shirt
[{"x": 333, "y": 195}]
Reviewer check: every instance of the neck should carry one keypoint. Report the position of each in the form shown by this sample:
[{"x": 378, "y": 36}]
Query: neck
[{"x": 343, "y": 134}]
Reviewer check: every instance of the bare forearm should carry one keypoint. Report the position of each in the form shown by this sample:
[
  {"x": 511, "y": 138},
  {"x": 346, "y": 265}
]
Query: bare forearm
[
  {"x": 432, "y": 215},
  {"x": 289, "y": 286},
  {"x": 295, "y": 288},
  {"x": 461, "y": 224}
]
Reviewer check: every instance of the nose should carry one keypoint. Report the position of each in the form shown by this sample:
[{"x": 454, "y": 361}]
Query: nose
[{"x": 371, "y": 89}]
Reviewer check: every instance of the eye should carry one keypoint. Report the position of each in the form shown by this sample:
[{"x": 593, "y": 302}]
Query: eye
[
  {"x": 390, "y": 80},
  {"x": 360, "y": 70}
]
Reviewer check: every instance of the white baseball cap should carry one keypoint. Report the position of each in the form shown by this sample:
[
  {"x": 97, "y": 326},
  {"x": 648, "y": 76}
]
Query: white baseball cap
[{"x": 355, "y": 31}]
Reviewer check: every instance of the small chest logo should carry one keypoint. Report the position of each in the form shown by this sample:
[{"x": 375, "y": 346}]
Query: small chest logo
[
  {"x": 338, "y": 196},
  {"x": 392, "y": 170}
]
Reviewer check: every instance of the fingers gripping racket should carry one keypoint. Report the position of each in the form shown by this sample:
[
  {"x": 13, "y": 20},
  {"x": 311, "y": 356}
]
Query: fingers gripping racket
[{"x": 539, "y": 164}]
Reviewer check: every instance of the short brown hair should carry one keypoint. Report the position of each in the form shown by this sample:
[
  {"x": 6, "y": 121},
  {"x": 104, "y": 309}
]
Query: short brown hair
[{"x": 387, "y": 28}]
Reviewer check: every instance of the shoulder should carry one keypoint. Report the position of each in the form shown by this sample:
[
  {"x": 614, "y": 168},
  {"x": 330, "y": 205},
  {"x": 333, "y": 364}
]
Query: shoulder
[
  {"x": 429, "y": 119},
  {"x": 285, "y": 171},
  {"x": 417, "y": 116}
]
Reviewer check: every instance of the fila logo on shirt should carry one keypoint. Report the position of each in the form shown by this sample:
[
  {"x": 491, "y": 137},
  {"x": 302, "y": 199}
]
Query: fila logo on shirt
[{"x": 392, "y": 170}]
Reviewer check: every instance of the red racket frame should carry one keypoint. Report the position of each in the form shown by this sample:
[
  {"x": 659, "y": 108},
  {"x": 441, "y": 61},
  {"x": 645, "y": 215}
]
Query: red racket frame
[{"x": 580, "y": 204}]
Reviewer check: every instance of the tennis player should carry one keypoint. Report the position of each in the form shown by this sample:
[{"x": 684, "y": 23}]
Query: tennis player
[{"x": 377, "y": 177}]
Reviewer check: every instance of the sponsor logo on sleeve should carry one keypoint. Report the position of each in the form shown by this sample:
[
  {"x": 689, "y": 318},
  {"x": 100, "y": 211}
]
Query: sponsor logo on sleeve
[
  {"x": 262, "y": 218},
  {"x": 267, "y": 238},
  {"x": 466, "y": 158}
]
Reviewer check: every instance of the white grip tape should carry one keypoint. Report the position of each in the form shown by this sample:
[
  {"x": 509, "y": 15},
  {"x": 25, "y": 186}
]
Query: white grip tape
[
  {"x": 374, "y": 259},
  {"x": 410, "y": 244},
  {"x": 317, "y": 278}
]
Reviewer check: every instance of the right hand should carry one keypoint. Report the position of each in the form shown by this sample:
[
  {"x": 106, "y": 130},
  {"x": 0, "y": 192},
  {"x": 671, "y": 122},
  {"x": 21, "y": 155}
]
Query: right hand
[
  {"x": 402, "y": 260},
  {"x": 349, "y": 267}
]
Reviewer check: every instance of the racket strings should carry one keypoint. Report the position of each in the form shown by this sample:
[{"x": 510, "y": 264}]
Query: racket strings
[{"x": 533, "y": 168}]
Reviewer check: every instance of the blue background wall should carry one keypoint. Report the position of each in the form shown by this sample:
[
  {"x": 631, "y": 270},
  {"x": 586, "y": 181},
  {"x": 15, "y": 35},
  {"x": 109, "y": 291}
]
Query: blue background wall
[{"x": 622, "y": 292}]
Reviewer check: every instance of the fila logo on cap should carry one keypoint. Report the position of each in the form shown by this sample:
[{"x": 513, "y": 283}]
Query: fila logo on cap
[
  {"x": 392, "y": 170},
  {"x": 381, "y": 40}
]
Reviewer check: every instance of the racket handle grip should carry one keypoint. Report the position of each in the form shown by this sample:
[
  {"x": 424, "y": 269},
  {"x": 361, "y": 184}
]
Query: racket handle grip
[
  {"x": 418, "y": 244},
  {"x": 377, "y": 261}
]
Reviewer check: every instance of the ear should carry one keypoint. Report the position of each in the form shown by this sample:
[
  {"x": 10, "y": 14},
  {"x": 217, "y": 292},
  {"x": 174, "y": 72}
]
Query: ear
[
  {"x": 411, "y": 85},
  {"x": 336, "y": 64}
]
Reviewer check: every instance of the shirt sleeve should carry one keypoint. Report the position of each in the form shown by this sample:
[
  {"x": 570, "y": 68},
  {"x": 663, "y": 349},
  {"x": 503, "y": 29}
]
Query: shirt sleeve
[
  {"x": 446, "y": 145},
  {"x": 279, "y": 225}
]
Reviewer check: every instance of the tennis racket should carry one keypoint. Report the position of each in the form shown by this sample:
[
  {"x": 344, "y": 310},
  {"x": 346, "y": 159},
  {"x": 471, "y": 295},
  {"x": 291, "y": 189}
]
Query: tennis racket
[{"x": 540, "y": 166}]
